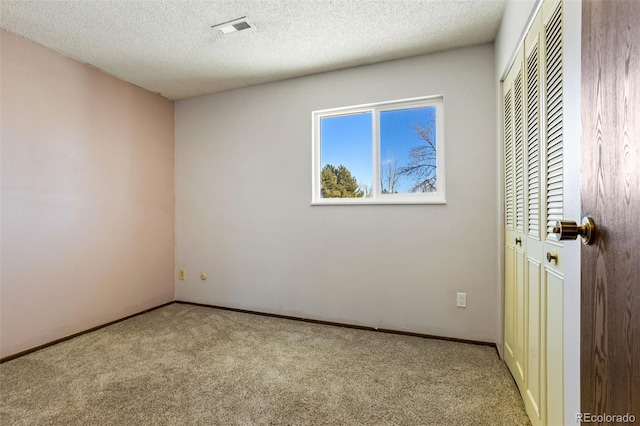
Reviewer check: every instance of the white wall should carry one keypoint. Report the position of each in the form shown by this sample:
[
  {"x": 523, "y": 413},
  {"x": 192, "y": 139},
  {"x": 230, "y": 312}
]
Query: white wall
[
  {"x": 515, "y": 21},
  {"x": 243, "y": 214},
  {"x": 87, "y": 197}
]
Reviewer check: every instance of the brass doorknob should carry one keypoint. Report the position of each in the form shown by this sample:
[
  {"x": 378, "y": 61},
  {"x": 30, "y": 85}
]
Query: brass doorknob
[
  {"x": 569, "y": 230},
  {"x": 552, "y": 257}
]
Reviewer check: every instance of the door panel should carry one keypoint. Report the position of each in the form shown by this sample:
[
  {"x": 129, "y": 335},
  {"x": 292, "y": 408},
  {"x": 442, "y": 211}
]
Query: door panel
[
  {"x": 535, "y": 390},
  {"x": 610, "y": 287},
  {"x": 509, "y": 311},
  {"x": 553, "y": 76},
  {"x": 521, "y": 317},
  {"x": 554, "y": 347},
  {"x": 553, "y": 171},
  {"x": 513, "y": 321},
  {"x": 533, "y": 125},
  {"x": 518, "y": 151},
  {"x": 509, "y": 305},
  {"x": 534, "y": 336}
]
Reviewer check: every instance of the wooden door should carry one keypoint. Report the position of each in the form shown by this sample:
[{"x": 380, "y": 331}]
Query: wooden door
[{"x": 610, "y": 306}]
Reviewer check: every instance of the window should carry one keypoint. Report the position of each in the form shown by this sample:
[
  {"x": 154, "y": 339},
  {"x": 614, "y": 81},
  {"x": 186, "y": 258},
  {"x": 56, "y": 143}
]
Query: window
[{"x": 384, "y": 153}]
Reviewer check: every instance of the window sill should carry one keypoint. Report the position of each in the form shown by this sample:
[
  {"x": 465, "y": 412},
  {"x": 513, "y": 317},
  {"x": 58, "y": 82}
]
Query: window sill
[{"x": 394, "y": 200}]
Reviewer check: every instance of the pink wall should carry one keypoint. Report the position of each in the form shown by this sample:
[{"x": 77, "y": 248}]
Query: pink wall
[{"x": 87, "y": 196}]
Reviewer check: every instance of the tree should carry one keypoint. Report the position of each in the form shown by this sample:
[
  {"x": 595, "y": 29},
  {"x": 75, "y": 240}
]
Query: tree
[
  {"x": 422, "y": 161},
  {"x": 367, "y": 190},
  {"x": 338, "y": 182},
  {"x": 389, "y": 175}
]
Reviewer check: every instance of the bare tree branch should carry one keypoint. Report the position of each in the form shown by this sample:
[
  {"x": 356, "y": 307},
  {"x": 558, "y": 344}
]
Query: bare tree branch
[
  {"x": 389, "y": 176},
  {"x": 422, "y": 161}
]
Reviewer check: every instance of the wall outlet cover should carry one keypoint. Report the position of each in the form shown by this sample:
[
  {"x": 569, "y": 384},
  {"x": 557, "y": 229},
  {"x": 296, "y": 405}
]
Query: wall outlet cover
[{"x": 461, "y": 300}]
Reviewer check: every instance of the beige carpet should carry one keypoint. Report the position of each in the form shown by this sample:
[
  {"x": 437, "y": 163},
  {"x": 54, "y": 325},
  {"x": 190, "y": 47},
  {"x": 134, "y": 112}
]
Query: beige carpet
[{"x": 189, "y": 365}]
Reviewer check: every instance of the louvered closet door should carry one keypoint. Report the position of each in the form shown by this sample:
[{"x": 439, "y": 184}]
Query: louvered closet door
[
  {"x": 533, "y": 397},
  {"x": 533, "y": 157},
  {"x": 519, "y": 180},
  {"x": 509, "y": 285},
  {"x": 513, "y": 181},
  {"x": 553, "y": 171}
]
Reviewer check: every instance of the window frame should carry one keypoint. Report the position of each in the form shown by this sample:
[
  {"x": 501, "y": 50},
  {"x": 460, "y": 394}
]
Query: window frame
[{"x": 437, "y": 197}]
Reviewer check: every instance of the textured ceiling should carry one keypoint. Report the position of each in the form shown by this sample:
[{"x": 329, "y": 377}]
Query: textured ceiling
[{"x": 169, "y": 47}]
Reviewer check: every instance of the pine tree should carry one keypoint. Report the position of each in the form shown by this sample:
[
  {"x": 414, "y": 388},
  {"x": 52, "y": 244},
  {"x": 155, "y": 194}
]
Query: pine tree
[{"x": 338, "y": 182}]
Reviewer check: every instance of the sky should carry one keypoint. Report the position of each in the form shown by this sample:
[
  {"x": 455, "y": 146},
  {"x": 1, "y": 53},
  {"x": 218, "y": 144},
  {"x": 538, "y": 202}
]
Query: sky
[{"x": 347, "y": 140}]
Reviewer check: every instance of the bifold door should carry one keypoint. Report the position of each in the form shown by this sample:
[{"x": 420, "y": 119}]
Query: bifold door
[{"x": 532, "y": 103}]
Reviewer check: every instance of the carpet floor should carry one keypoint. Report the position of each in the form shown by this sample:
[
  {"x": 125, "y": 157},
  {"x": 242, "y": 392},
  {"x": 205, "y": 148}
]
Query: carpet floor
[{"x": 190, "y": 365}]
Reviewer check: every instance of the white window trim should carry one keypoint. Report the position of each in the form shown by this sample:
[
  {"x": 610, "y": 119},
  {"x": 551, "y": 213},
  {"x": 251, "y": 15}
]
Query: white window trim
[{"x": 437, "y": 197}]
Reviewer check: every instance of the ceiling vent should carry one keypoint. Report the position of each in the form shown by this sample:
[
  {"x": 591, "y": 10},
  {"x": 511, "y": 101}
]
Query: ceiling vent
[{"x": 236, "y": 25}]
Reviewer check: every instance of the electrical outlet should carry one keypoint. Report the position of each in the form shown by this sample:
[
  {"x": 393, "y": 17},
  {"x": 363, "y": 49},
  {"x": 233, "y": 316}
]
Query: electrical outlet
[
  {"x": 461, "y": 300},
  {"x": 182, "y": 273}
]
